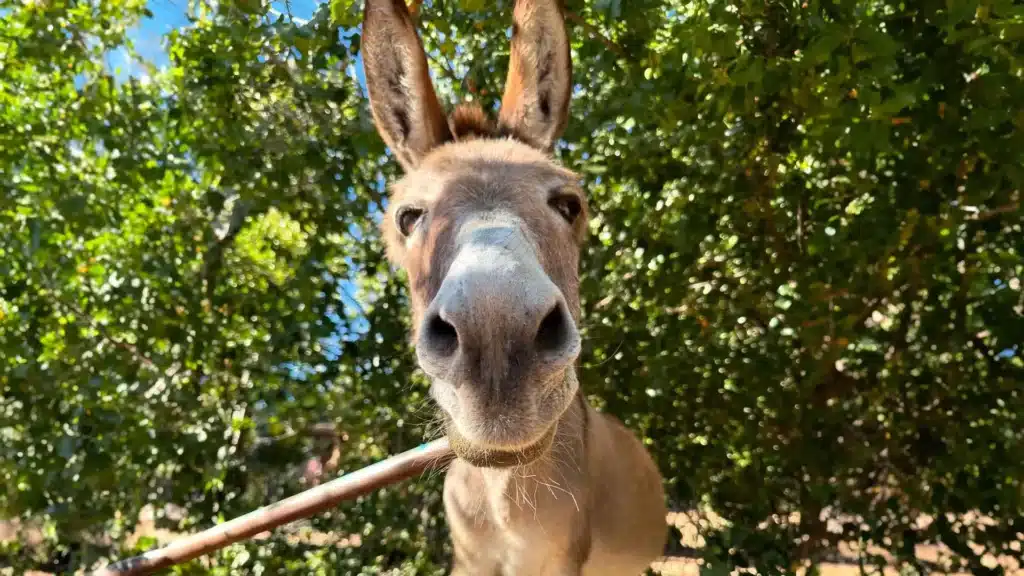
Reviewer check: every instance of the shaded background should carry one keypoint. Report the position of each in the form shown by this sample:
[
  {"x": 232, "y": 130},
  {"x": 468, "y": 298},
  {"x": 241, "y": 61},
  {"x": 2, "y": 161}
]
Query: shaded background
[{"x": 802, "y": 286}]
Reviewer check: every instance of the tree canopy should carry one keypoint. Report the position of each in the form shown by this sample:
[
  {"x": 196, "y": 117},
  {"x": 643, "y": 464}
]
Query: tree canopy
[{"x": 802, "y": 285}]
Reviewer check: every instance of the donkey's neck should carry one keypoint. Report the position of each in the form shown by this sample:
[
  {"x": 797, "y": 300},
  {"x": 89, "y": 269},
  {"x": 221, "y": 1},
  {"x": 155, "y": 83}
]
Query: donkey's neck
[{"x": 556, "y": 472}]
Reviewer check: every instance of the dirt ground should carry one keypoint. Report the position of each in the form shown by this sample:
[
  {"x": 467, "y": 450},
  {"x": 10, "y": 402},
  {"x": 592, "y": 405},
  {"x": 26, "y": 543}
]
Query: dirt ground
[{"x": 690, "y": 524}]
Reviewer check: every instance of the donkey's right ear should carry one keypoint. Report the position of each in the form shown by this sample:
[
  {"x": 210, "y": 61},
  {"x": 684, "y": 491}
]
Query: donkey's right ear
[{"x": 405, "y": 107}]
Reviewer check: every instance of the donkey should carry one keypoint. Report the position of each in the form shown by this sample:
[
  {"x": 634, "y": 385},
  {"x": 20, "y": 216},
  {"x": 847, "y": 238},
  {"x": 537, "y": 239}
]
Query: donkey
[{"x": 489, "y": 230}]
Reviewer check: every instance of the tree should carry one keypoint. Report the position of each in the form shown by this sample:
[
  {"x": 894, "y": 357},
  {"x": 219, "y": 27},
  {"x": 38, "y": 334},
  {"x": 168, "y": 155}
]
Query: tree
[{"x": 802, "y": 285}]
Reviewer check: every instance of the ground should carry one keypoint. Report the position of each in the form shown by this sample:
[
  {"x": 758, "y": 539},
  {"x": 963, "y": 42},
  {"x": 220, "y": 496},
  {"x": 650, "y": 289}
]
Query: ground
[{"x": 690, "y": 525}]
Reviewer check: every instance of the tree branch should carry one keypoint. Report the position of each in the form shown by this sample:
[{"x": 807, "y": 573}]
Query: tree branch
[
  {"x": 225, "y": 233},
  {"x": 595, "y": 32}
]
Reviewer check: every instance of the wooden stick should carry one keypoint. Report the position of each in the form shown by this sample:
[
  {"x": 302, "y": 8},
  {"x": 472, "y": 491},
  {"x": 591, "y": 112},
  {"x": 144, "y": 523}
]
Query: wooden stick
[{"x": 301, "y": 505}]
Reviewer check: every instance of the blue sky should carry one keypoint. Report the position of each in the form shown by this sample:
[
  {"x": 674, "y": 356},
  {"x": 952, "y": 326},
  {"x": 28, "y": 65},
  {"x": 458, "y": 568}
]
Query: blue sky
[{"x": 148, "y": 35}]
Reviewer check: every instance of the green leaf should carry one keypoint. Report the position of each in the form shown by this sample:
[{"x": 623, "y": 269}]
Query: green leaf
[
  {"x": 345, "y": 13},
  {"x": 472, "y": 5}
]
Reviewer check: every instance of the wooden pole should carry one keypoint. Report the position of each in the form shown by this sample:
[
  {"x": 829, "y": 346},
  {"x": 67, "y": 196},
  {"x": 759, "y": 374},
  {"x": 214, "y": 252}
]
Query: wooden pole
[{"x": 301, "y": 505}]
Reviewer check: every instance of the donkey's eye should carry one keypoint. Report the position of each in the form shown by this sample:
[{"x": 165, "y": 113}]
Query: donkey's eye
[
  {"x": 407, "y": 218},
  {"x": 568, "y": 206}
]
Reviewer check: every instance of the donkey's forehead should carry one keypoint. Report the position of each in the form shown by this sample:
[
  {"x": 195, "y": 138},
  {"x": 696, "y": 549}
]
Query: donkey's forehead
[{"x": 497, "y": 164}]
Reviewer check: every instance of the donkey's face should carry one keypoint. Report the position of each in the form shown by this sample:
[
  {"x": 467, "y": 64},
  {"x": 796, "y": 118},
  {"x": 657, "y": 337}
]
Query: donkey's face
[{"x": 488, "y": 229}]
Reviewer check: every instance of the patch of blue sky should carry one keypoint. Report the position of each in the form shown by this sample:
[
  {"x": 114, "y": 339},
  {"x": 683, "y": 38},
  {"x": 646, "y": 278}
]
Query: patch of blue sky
[
  {"x": 300, "y": 9},
  {"x": 148, "y": 35},
  {"x": 1008, "y": 353}
]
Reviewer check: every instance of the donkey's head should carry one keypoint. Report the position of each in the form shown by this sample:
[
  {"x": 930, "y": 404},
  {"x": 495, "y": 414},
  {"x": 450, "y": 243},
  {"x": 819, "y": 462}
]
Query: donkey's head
[{"x": 488, "y": 229}]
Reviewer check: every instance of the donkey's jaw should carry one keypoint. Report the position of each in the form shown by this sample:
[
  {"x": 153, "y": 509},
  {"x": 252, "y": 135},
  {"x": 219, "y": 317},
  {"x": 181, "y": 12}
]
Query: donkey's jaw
[
  {"x": 518, "y": 433},
  {"x": 485, "y": 457}
]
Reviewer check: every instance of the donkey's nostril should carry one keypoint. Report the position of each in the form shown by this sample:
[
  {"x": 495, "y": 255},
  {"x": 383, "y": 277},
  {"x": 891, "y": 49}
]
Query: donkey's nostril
[
  {"x": 553, "y": 334},
  {"x": 440, "y": 336}
]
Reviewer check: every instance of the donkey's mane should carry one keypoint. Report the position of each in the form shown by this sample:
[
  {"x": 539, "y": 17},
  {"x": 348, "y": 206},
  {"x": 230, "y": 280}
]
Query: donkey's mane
[{"x": 468, "y": 121}]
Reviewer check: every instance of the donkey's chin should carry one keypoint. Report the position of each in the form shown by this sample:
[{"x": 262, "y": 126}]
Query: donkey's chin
[
  {"x": 495, "y": 456},
  {"x": 522, "y": 440}
]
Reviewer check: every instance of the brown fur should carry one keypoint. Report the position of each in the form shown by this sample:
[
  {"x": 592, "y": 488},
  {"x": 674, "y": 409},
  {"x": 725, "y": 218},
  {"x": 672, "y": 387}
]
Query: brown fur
[
  {"x": 535, "y": 106},
  {"x": 468, "y": 120},
  {"x": 394, "y": 71},
  {"x": 454, "y": 182},
  {"x": 586, "y": 498}
]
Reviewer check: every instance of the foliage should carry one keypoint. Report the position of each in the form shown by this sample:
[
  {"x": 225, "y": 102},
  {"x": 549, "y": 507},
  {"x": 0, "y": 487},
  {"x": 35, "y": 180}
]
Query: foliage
[{"x": 803, "y": 285}]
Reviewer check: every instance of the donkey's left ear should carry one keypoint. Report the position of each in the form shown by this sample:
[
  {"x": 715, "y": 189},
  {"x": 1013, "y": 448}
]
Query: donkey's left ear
[
  {"x": 535, "y": 107},
  {"x": 405, "y": 107}
]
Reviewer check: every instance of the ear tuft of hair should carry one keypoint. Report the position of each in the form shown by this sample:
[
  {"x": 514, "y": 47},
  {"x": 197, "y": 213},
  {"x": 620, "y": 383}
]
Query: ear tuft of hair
[{"x": 468, "y": 120}]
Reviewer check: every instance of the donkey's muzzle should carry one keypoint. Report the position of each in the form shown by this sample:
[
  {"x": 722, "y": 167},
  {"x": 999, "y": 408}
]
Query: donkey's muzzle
[{"x": 498, "y": 336}]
